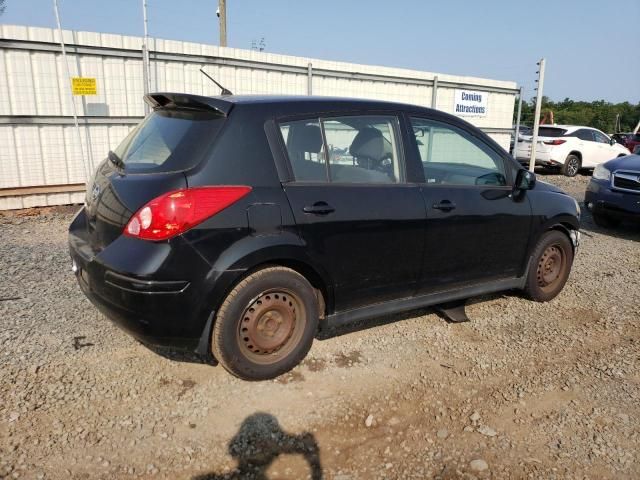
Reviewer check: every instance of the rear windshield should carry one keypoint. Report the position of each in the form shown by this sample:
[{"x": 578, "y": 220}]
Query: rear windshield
[
  {"x": 551, "y": 132},
  {"x": 169, "y": 141}
]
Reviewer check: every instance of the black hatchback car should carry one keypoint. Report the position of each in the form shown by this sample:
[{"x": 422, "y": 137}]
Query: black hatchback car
[{"x": 238, "y": 226}]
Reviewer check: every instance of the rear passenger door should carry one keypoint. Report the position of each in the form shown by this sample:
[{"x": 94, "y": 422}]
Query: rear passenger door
[
  {"x": 358, "y": 217},
  {"x": 475, "y": 231}
]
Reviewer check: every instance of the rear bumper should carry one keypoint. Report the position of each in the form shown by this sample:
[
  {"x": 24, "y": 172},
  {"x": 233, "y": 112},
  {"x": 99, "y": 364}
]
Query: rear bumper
[
  {"x": 156, "y": 292},
  {"x": 542, "y": 159},
  {"x": 154, "y": 329},
  {"x": 600, "y": 198}
]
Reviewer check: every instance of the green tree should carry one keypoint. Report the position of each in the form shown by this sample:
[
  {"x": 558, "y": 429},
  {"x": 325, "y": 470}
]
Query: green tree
[
  {"x": 2, "y": 6},
  {"x": 598, "y": 114}
]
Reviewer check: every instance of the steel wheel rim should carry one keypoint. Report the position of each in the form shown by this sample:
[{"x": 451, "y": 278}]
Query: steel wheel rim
[
  {"x": 573, "y": 166},
  {"x": 551, "y": 267},
  {"x": 271, "y": 326}
]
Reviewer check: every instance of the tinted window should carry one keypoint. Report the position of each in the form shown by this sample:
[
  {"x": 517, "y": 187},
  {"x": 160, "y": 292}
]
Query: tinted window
[
  {"x": 169, "y": 140},
  {"x": 362, "y": 149},
  {"x": 600, "y": 137},
  {"x": 358, "y": 149},
  {"x": 452, "y": 156},
  {"x": 583, "y": 134},
  {"x": 306, "y": 150},
  {"x": 551, "y": 132}
]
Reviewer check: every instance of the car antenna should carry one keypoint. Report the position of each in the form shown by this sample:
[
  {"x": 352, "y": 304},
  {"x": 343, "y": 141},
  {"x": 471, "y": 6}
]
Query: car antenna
[{"x": 224, "y": 90}]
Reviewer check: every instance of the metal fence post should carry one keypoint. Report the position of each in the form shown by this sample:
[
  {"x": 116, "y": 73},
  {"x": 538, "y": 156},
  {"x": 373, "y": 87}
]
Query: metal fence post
[
  {"x": 536, "y": 120},
  {"x": 434, "y": 92},
  {"x": 310, "y": 79},
  {"x": 517, "y": 132},
  {"x": 87, "y": 171},
  {"x": 146, "y": 71}
]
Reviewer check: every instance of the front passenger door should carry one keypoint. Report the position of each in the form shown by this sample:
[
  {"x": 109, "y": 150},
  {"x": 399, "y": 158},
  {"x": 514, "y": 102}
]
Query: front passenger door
[
  {"x": 588, "y": 147},
  {"x": 474, "y": 231},
  {"x": 605, "y": 151}
]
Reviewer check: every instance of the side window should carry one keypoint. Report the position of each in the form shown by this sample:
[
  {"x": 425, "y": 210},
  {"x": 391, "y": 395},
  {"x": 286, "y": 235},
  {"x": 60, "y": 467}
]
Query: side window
[
  {"x": 362, "y": 149},
  {"x": 303, "y": 139},
  {"x": 450, "y": 156},
  {"x": 600, "y": 137},
  {"x": 584, "y": 134},
  {"x": 356, "y": 149}
]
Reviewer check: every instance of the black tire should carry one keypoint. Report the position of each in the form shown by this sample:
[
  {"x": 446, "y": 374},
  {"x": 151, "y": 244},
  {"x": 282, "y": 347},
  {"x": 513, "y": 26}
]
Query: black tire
[
  {"x": 266, "y": 325},
  {"x": 571, "y": 165},
  {"x": 605, "y": 221},
  {"x": 549, "y": 266}
]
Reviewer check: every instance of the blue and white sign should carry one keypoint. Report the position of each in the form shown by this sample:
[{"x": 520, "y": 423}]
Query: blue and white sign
[{"x": 470, "y": 103}]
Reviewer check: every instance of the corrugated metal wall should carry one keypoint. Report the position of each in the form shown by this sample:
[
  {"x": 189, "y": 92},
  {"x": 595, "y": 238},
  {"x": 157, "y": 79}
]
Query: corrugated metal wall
[{"x": 40, "y": 144}]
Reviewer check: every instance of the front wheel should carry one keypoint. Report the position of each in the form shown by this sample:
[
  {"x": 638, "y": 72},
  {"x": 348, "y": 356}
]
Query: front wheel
[
  {"x": 549, "y": 266},
  {"x": 571, "y": 165},
  {"x": 266, "y": 325}
]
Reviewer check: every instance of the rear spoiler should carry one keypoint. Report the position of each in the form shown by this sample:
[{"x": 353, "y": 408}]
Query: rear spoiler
[{"x": 185, "y": 100}]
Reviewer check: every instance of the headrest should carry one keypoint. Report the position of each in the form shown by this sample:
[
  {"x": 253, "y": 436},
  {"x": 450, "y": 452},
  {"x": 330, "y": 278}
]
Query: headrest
[
  {"x": 369, "y": 143},
  {"x": 305, "y": 138}
]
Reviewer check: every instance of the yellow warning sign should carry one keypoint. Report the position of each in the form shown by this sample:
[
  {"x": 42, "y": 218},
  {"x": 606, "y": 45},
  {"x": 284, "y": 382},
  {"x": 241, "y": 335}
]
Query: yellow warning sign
[{"x": 84, "y": 86}]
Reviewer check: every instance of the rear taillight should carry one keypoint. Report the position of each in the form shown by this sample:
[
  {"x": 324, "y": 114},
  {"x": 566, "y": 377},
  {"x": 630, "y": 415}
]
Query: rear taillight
[
  {"x": 554, "y": 142},
  {"x": 176, "y": 212}
]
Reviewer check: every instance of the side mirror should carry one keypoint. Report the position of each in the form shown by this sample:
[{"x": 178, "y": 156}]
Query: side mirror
[
  {"x": 612, "y": 141},
  {"x": 525, "y": 180}
]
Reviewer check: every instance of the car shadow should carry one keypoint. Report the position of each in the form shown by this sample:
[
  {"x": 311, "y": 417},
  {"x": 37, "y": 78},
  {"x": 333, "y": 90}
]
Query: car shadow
[
  {"x": 259, "y": 442},
  {"x": 557, "y": 171},
  {"x": 177, "y": 355},
  {"x": 625, "y": 231}
]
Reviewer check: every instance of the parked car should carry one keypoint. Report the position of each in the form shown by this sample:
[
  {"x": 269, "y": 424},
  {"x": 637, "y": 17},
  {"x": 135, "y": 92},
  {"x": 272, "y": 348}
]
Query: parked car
[
  {"x": 629, "y": 140},
  {"x": 570, "y": 148},
  {"x": 613, "y": 194},
  {"x": 523, "y": 130},
  {"x": 221, "y": 224}
]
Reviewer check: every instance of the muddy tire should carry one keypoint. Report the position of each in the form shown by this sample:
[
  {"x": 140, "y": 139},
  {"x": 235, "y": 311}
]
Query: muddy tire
[
  {"x": 266, "y": 325},
  {"x": 549, "y": 266}
]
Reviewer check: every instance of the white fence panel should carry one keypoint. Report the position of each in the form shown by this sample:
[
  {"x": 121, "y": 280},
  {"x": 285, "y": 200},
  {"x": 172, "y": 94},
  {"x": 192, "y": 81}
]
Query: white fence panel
[{"x": 40, "y": 146}]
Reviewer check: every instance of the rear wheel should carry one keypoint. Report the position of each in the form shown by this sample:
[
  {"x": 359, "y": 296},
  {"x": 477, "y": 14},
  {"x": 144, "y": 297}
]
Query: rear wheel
[
  {"x": 549, "y": 266},
  {"x": 571, "y": 165},
  {"x": 266, "y": 325},
  {"x": 605, "y": 221}
]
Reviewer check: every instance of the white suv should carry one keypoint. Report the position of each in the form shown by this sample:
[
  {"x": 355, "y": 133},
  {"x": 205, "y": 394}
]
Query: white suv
[{"x": 570, "y": 148}]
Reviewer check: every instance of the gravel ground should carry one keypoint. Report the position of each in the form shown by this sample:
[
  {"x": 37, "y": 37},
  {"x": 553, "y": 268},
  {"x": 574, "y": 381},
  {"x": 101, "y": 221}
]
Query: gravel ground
[{"x": 525, "y": 390}]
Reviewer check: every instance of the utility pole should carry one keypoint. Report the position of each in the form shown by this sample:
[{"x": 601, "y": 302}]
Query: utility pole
[
  {"x": 536, "y": 121},
  {"x": 146, "y": 70},
  {"x": 222, "y": 16}
]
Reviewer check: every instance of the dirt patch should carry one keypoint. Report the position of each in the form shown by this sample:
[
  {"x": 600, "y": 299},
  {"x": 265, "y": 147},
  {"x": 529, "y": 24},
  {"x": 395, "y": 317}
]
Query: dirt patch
[
  {"x": 315, "y": 364},
  {"x": 186, "y": 385},
  {"x": 290, "y": 377},
  {"x": 348, "y": 360}
]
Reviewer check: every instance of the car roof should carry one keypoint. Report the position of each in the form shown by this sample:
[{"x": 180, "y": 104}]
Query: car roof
[
  {"x": 290, "y": 106},
  {"x": 224, "y": 103}
]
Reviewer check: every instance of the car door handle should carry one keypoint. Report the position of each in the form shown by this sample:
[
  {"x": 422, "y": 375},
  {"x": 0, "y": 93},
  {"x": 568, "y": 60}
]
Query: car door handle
[
  {"x": 444, "y": 205},
  {"x": 319, "y": 208}
]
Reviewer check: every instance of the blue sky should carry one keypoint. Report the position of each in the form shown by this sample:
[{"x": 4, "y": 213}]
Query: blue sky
[{"x": 591, "y": 47}]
